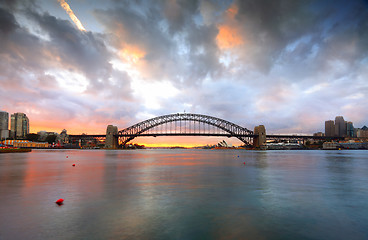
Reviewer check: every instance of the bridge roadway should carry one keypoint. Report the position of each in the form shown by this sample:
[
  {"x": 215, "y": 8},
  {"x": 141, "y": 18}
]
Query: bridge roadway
[
  {"x": 188, "y": 124},
  {"x": 303, "y": 137},
  {"x": 209, "y": 134}
]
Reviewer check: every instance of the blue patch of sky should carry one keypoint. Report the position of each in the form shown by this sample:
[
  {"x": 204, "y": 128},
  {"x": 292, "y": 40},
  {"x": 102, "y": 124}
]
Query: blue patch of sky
[
  {"x": 182, "y": 46},
  {"x": 292, "y": 46},
  {"x": 340, "y": 18},
  {"x": 198, "y": 20}
]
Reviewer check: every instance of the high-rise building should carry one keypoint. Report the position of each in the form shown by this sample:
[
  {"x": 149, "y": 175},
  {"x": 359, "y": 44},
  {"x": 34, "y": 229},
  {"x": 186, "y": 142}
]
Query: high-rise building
[
  {"x": 19, "y": 125},
  {"x": 350, "y": 129},
  {"x": 4, "y": 125},
  {"x": 340, "y": 126},
  {"x": 329, "y": 128}
]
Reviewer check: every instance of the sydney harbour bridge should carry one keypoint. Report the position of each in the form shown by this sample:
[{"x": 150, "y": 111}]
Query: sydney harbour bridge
[{"x": 185, "y": 124}]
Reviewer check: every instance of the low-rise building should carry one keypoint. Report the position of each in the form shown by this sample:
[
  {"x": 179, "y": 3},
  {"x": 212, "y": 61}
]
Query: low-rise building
[
  {"x": 362, "y": 132},
  {"x": 31, "y": 144},
  {"x": 318, "y": 134},
  {"x": 25, "y": 144},
  {"x": 330, "y": 145}
]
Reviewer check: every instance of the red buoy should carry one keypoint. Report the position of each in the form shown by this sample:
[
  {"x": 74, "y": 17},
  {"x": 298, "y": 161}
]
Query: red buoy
[
  {"x": 59, "y": 201},
  {"x": 66, "y": 156},
  {"x": 244, "y": 163},
  {"x": 73, "y": 165}
]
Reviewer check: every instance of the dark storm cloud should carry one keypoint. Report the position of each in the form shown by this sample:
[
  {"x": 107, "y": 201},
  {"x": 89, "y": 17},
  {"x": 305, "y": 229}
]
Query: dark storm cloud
[
  {"x": 176, "y": 48},
  {"x": 80, "y": 51},
  {"x": 285, "y": 43},
  {"x": 273, "y": 25},
  {"x": 179, "y": 14},
  {"x": 7, "y": 22},
  {"x": 204, "y": 53}
]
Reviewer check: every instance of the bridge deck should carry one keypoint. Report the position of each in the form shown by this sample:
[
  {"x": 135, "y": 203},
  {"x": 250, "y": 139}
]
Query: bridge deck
[
  {"x": 207, "y": 134},
  {"x": 186, "y": 134}
]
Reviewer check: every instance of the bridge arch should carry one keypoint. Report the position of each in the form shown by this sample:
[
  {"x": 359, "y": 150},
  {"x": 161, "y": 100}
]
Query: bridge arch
[{"x": 138, "y": 129}]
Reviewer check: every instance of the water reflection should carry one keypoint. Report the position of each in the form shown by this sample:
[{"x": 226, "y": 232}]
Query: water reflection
[{"x": 184, "y": 194}]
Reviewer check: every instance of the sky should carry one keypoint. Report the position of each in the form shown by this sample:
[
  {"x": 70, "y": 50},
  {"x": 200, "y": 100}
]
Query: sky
[{"x": 81, "y": 65}]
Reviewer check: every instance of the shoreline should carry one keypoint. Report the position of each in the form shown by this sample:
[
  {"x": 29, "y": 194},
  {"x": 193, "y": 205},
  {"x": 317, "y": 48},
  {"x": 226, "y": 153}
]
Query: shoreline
[{"x": 14, "y": 150}]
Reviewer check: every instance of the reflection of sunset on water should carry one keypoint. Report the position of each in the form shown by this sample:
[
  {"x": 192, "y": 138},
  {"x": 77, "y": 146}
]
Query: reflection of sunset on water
[
  {"x": 61, "y": 173},
  {"x": 134, "y": 194},
  {"x": 184, "y": 141}
]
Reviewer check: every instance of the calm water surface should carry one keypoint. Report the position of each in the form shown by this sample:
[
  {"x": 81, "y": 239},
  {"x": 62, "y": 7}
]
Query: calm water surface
[{"x": 184, "y": 194}]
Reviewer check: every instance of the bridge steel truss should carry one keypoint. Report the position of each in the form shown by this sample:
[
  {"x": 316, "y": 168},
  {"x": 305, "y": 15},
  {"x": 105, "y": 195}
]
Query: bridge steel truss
[{"x": 142, "y": 128}]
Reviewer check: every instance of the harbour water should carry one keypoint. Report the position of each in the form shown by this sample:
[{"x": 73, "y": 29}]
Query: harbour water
[{"x": 184, "y": 194}]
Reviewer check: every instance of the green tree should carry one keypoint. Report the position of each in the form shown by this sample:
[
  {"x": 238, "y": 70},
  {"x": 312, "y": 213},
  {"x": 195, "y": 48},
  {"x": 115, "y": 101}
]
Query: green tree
[
  {"x": 33, "y": 137},
  {"x": 50, "y": 139}
]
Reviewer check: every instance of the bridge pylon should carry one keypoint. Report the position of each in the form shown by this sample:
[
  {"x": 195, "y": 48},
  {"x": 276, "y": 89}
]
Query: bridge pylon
[
  {"x": 259, "y": 141},
  {"x": 111, "y": 137}
]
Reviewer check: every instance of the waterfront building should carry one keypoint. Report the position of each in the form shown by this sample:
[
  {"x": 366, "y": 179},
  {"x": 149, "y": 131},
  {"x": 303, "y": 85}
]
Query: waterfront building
[
  {"x": 329, "y": 128},
  {"x": 329, "y": 146},
  {"x": 19, "y": 125},
  {"x": 4, "y": 125},
  {"x": 63, "y": 137},
  {"x": 26, "y": 144},
  {"x": 319, "y": 134},
  {"x": 362, "y": 132},
  {"x": 340, "y": 126},
  {"x": 356, "y": 132},
  {"x": 350, "y": 129},
  {"x": 4, "y": 134},
  {"x": 4, "y": 120}
]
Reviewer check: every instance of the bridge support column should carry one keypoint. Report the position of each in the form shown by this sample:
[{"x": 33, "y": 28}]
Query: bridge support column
[
  {"x": 111, "y": 138},
  {"x": 259, "y": 142}
]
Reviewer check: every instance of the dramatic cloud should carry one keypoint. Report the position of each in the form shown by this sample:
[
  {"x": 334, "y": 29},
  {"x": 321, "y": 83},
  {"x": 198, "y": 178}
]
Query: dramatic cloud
[
  {"x": 287, "y": 64},
  {"x": 59, "y": 74}
]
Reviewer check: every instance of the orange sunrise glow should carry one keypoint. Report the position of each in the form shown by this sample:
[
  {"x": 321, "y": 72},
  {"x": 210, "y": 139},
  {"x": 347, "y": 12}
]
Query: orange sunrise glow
[
  {"x": 131, "y": 53},
  {"x": 187, "y": 142},
  {"x": 81, "y": 65},
  {"x": 228, "y": 37},
  {"x": 232, "y": 11}
]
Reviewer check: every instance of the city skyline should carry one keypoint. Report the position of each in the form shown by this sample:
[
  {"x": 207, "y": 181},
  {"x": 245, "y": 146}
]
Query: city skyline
[
  {"x": 19, "y": 129},
  {"x": 84, "y": 65}
]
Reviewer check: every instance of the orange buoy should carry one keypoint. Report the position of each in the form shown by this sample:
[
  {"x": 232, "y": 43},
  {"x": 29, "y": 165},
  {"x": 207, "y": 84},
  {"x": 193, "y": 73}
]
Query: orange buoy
[
  {"x": 73, "y": 165},
  {"x": 59, "y": 201}
]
